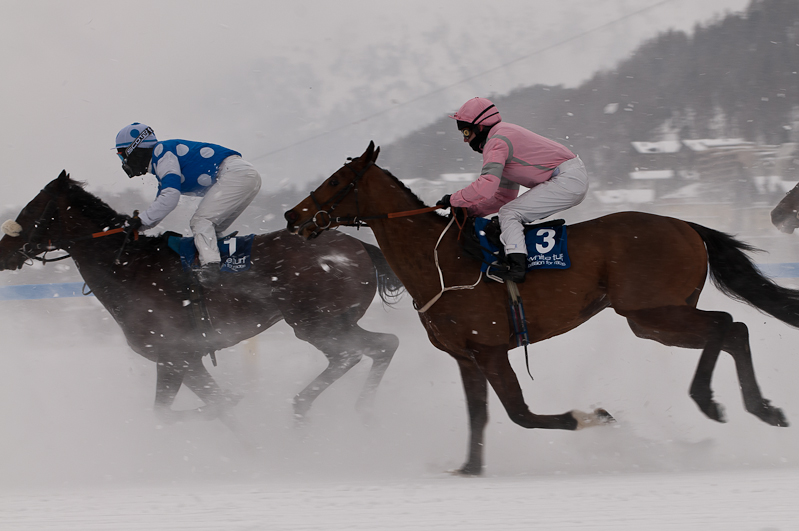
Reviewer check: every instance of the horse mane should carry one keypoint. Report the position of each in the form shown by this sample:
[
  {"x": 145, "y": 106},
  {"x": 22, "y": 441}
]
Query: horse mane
[
  {"x": 402, "y": 185},
  {"x": 96, "y": 210}
]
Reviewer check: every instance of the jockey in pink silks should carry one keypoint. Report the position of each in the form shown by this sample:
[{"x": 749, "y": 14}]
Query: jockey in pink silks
[{"x": 514, "y": 156}]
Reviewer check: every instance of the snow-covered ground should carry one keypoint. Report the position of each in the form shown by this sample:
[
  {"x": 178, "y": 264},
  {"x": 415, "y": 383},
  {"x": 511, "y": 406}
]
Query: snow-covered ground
[{"x": 81, "y": 448}]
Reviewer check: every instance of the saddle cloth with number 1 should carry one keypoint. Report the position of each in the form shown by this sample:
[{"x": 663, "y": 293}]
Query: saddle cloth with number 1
[{"x": 234, "y": 250}]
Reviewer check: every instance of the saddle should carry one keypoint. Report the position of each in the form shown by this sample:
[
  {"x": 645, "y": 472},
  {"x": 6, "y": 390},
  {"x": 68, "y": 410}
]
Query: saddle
[
  {"x": 546, "y": 244},
  {"x": 235, "y": 253},
  {"x": 234, "y": 250}
]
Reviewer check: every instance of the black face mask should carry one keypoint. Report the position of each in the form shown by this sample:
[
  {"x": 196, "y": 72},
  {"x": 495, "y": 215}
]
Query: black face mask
[
  {"x": 479, "y": 139},
  {"x": 138, "y": 162}
]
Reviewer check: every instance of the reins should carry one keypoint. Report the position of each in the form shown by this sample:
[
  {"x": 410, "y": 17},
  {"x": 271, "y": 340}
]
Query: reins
[
  {"x": 31, "y": 250},
  {"x": 325, "y": 211},
  {"x": 444, "y": 289},
  {"x": 54, "y": 246}
]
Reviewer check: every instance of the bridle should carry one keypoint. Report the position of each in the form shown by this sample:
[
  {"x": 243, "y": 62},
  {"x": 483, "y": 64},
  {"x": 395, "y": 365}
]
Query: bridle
[
  {"x": 31, "y": 249},
  {"x": 325, "y": 209}
]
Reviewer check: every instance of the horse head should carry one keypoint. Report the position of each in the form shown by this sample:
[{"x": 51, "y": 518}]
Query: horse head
[
  {"x": 62, "y": 213},
  {"x": 785, "y": 215},
  {"x": 335, "y": 201},
  {"x": 30, "y": 233}
]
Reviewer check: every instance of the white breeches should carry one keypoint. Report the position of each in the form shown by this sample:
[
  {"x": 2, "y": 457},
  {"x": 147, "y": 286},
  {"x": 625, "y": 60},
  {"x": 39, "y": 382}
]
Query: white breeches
[
  {"x": 237, "y": 184},
  {"x": 565, "y": 190}
]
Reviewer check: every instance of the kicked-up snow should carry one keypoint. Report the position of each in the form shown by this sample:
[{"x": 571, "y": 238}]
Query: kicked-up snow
[{"x": 82, "y": 450}]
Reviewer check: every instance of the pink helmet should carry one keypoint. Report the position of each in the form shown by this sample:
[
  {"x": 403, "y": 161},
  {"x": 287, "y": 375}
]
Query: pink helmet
[{"x": 478, "y": 111}]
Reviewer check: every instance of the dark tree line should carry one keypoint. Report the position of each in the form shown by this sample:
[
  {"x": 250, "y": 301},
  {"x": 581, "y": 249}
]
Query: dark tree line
[{"x": 733, "y": 78}]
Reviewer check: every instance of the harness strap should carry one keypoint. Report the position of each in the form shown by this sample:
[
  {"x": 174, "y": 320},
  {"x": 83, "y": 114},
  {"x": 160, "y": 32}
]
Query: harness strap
[
  {"x": 425, "y": 210},
  {"x": 518, "y": 320},
  {"x": 441, "y": 274},
  {"x": 107, "y": 232}
]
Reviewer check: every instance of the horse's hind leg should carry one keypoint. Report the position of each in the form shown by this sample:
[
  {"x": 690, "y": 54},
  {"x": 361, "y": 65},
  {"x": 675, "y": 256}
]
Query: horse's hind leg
[
  {"x": 688, "y": 327},
  {"x": 334, "y": 338},
  {"x": 737, "y": 344},
  {"x": 380, "y": 348}
]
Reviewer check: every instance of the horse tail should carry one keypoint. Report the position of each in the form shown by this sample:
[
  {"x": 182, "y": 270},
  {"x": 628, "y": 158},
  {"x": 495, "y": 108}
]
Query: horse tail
[
  {"x": 735, "y": 275},
  {"x": 389, "y": 286}
]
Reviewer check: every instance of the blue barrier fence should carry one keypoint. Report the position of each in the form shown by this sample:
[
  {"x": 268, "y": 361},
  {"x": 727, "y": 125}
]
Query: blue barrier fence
[
  {"x": 789, "y": 270},
  {"x": 41, "y": 291},
  {"x": 75, "y": 289}
]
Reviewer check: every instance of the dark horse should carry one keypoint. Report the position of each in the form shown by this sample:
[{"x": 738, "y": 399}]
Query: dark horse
[
  {"x": 321, "y": 290},
  {"x": 785, "y": 216},
  {"x": 650, "y": 269}
]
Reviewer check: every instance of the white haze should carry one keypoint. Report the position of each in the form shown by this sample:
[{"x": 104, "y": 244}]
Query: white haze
[
  {"x": 295, "y": 86},
  {"x": 83, "y": 450}
]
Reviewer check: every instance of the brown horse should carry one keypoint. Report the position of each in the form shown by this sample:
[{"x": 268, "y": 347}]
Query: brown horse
[
  {"x": 650, "y": 269},
  {"x": 321, "y": 290},
  {"x": 785, "y": 216}
]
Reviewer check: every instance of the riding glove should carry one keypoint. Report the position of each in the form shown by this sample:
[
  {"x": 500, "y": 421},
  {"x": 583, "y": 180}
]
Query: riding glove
[
  {"x": 132, "y": 224},
  {"x": 444, "y": 202}
]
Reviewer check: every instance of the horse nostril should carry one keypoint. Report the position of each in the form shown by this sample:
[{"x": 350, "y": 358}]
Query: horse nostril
[{"x": 290, "y": 216}]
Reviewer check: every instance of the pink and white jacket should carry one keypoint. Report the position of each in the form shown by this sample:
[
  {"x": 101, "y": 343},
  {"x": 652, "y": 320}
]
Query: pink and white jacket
[{"x": 512, "y": 156}]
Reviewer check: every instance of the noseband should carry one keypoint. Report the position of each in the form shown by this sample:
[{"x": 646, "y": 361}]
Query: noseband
[
  {"x": 31, "y": 249},
  {"x": 326, "y": 209}
]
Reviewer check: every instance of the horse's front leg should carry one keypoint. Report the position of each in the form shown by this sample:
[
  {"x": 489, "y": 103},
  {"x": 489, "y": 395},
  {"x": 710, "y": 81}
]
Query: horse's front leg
[
  {"x": 219, "y": 402},
  {"x": 202, "y": 384},
  {"x": 476, "y": 389},
  {"x": 169, "y": 377},
  {"x": 172, "y": 372},
  {"x": 493, "y": 361}
]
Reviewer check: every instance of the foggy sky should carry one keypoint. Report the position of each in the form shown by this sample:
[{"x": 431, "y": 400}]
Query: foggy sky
[{"x": 296, "y": 87}]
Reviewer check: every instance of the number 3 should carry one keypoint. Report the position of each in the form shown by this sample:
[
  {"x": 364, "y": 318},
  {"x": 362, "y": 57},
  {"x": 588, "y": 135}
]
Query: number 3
[{"x": 548, "y": 238}]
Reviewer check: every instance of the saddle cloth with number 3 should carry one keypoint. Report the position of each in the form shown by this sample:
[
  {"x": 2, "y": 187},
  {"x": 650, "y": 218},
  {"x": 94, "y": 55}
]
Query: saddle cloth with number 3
[{"x": 546, "y": 244}]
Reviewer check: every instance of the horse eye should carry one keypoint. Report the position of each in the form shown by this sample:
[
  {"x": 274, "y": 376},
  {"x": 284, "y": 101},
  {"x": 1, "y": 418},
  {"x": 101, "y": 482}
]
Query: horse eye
[{"x": 334, "y": 182}]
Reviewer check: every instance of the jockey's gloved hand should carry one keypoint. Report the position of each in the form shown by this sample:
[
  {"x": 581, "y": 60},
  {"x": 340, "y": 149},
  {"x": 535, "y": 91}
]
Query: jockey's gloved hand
[
  {"x": 132, "y": 224},
  {"x": 444, "y": 202}
]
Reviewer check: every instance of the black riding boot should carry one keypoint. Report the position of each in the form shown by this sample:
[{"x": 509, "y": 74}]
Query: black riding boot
[
  {"x": 210, "y": 275},
  {"x": 518, "y": 267}
]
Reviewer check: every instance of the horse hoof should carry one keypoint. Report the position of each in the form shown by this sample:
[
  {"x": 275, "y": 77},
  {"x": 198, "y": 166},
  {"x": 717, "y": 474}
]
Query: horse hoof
[
  {"x": 230, "y": 398},
  {"x": 467, "y": 471},
  {"x": 300, "y": 420},
  {"x": 603, "y": 416},
  {"x": 716, "y": 412},
  {"x": 772, "y": 415},
  {"x": 597, "y": 417}
]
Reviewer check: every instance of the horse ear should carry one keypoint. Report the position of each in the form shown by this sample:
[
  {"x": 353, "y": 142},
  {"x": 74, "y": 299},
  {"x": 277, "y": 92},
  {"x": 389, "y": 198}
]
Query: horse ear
[
  {"x": 367, "y": 155},
  {"x": 63, "y": 180},
  {"x": 377, "y": 152}
]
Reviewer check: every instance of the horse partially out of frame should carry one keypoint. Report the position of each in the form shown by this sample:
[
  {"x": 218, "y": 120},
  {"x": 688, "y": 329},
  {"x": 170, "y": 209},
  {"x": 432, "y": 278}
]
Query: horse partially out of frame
[
  {"x": 650, "y": 269},
  {"x": 321, "y": 289},
  {"x": 785, "y": 216}
]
